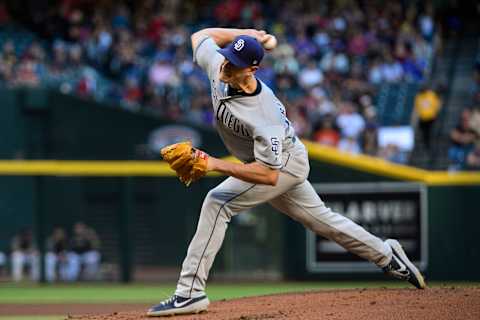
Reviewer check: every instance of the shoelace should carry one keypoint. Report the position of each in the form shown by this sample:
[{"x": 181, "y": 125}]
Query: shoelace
[
  {"x": 393, "y": 269},
  {"x": 168, "y": 301}
]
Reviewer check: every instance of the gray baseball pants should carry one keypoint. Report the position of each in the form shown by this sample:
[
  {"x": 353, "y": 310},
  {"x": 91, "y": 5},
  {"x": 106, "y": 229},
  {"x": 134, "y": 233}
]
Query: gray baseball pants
[{"x": 294, "y": 196}]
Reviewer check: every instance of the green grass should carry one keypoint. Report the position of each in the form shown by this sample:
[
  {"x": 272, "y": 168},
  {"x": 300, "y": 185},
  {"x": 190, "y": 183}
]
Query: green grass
[
  {"x": 113, "y": 293},
  {"x": 136, "y": 293}
]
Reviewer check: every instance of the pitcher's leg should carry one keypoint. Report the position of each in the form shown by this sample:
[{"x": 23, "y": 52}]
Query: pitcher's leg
[
  {"x": 226, "y": 200},
  {"x": 208, "y": 238},
  {"x": 303, "y": 204}
]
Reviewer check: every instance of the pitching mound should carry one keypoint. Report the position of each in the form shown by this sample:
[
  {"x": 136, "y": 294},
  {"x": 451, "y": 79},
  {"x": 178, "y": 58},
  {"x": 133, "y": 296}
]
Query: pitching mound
[{"x": 369, "y": 304}]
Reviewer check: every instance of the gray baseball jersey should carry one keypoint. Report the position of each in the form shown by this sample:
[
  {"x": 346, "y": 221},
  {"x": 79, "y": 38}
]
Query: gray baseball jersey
[{"x": 254, "y": 128}]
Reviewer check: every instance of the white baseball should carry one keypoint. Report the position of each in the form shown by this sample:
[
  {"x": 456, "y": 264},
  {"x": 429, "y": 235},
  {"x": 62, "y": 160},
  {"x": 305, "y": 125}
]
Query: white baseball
[{"x": 270, "y": 43}]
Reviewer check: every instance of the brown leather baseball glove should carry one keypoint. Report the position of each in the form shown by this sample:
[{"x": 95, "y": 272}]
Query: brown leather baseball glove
[{"x": 189, "y": 163}]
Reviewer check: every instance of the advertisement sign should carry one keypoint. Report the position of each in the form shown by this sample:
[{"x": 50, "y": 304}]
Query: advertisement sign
[{"x": 387, "y": 210}]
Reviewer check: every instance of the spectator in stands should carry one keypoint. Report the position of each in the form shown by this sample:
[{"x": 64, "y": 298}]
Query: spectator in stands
[
  {"x": 310, "y": 76},
  {"x": 32, "y": 68},
  {"x": 26, "y": 74},
  {"x": 24, "y": 254},
  {"x": 350, "y": 123},
  {"x": 370, "y": 139},
  {"x": 375, "y": 74},
  {"x": 299, "y": 121},
  {"x": 462, "y": 138},
  {"x": 426, "y": 22},
  {"x": 350, "y": 145},
  {"x": 135, "y": 54},
  {"x": 336, "y": 61},
  {"x": 162, "y": 73},
  {"x": 3, "y": 263},
  {"x": 474, "y": 121},
  {"x": 285, "y": 60},
  {"x": 59, "y": 63},
  {"x": 391, "y": 70},
  {"x": 8, "y": 59},
  {"x": 370, "y": 134},
  {"x": 133, "y": 94},
  {"x": 426, "y": 109},
  {"x": 473, "y": 157},
  {"x": 327, "y": 134},
  {"x": 87, "y": 84},
  {"x": 391, "y": 152},
  {"x": 56, "y": 263},
  {"x": 320, "y": 104},
  {"x": 84, "y": 255}
]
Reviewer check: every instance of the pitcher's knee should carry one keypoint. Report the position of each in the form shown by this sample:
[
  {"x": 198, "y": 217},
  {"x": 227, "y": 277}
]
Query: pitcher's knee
[
  {"x": 216, "y": 202},
  {"x": 212, "y": 199}
]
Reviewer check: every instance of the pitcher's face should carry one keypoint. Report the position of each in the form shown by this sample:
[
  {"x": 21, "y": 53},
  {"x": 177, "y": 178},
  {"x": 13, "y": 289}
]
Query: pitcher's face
[{"x": 233, "y": 75}]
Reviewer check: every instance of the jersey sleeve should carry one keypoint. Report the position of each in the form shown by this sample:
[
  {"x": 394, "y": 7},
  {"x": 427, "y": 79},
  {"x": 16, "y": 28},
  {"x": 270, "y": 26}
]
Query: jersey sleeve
[
  {"x": 207, "y": 57},
  {"x": 267, "y": 145}
]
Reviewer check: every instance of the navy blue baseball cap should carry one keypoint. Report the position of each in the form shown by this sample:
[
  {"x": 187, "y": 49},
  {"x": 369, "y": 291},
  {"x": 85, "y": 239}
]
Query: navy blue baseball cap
[{"x": 243, "y": 52}]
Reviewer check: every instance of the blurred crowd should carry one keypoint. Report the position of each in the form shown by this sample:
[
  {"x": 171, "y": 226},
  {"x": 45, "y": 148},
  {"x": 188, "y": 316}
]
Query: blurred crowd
[
  {"x": 464, "y": 151},
  {"x": 332, "y": 55},
  {"x": 66, "y": 258}
]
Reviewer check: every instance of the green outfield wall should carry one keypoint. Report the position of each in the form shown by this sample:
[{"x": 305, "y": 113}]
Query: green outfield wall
[
  {"x": 145, "y": 220},
  {"x": 453, "y": 248},
  {"x": 41, "y": 124}
]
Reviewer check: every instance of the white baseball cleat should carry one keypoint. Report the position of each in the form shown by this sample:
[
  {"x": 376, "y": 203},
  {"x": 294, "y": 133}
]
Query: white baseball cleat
[
  {"x": 179, "y": 305},
  {"x": 401, "y": 267}
]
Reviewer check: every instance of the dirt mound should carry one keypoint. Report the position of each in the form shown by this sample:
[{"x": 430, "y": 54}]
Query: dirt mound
[{"x": 368, "y": 304}]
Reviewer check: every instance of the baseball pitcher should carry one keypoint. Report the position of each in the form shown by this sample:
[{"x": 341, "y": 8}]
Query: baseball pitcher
[{"x": 253, "y": 126}]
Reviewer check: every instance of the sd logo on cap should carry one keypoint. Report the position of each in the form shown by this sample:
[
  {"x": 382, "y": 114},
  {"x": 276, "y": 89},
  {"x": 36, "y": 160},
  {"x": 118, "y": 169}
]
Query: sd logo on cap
[
  {"x": 239, "y": 44},
  {"x": 244, "y": 51}
]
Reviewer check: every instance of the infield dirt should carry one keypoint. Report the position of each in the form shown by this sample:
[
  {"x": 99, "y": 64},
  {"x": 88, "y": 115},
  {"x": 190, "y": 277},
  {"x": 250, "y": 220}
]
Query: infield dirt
[{"x": 369, "y": 304}]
